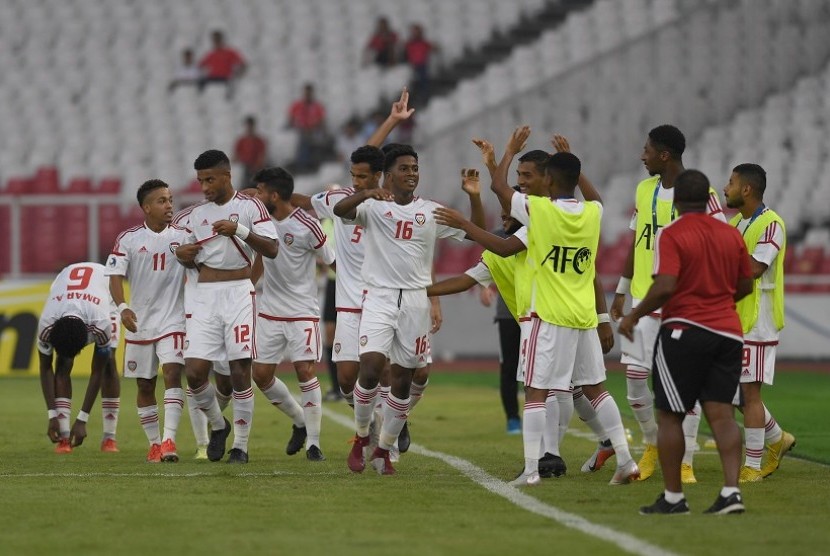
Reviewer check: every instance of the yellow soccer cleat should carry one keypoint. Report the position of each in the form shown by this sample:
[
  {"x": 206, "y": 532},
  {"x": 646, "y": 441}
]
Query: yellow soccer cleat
[
  {"x": 648, "y": 463},
  {"x": 775, "y": 453},
  {"x": 687, "y": 474},
  {"x": 201, "y": 453},
  {"x": 750, "y": 475}
]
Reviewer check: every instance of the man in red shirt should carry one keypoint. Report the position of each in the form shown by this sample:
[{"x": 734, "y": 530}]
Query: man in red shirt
[
  {"x": 250, "y": 151},
  {"x": 222, "y": 64},
  {"x": 701, "y": 267},
  {"x": 418, "y": 51},
  {"x": 308, "y": 117}
]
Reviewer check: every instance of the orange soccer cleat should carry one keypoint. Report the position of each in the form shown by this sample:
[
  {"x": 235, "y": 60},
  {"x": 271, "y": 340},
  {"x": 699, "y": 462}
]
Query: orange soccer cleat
[{"x": 109, "y": 445}]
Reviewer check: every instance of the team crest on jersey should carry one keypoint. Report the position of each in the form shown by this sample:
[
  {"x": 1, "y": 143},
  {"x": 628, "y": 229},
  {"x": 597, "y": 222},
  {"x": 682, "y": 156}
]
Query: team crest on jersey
[
  {"x": 420, "y": 218},
  {"x": 132, "y": 365},
  {"x": 288, "y": 239},
  {"x": 364, "y": 340},
  {"x": 337, "y": 347},
  {"x": 234, "y": 217},
  {"x": 173, "y": 246}
]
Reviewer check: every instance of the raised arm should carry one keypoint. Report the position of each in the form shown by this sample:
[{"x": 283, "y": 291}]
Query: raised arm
[
  {"x": 347, "y": 208},
  {"x": 504, "y": 247},
  {"x": 500, "y": 185},
  {"x": 589, "y": 192},
  {"x": 400, "y": 111},
  {"x": 472, "y": 187},
  {"x": 488, "y": 155}
]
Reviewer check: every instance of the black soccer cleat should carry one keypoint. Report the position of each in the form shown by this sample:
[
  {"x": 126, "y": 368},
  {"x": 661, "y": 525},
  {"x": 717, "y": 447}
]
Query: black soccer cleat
[
  {"x": 732, "y": 504},
  {"x": 552, "y": 466},
  {"x": 660, "y": 506},
  {"x": 295, "y": 443},
  {"x": 237, "y": 456},
  {"x": 314, "y": 454},
  {"x": 216, "y": 446},
  {"x": 404, "y": 439}
]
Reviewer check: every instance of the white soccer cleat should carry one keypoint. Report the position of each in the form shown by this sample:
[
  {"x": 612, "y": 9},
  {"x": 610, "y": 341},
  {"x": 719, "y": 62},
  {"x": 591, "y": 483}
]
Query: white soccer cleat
[
  {"x": 625, "y": 473},
  {"x": 527, "y": 479}
]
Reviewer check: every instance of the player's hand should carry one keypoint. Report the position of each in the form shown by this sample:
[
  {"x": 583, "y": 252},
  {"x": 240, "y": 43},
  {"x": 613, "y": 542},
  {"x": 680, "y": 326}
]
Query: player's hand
[
  {"x": 435, "y": 315},
  {"x": 378, "y": 194},
  {"x": 77, "y": 434},
  {"x": 129, "y": 320},
  {"x": 53, "y": 430},
  {"x": 400, "y": 108},
  {"x": 488, "y": 152},
  {"x": 450, "y": 217},
  {"x": 187, "y": 253},
  {"x": 224, "y": 228},
  {"x": 617, "y": 306},
  {"x": 486, "y": 296},
  {"x": 470, "y": 182},
  {"x": 560, "y": 144},
  {"x": 518, "y": 140},
  {"x": 606, "y": 336},
  {"x": 626, "y": 326}
]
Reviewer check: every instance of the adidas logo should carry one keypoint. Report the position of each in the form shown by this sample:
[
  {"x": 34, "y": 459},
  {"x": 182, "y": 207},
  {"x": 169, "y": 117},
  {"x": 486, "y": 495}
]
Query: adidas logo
[
  {"x": 205, "y": 222},
  {"x": 110, "y": 417},
  {"x": 311, "y": 404},
  {"x": 179, "y": 354},
  {"x": 142, "y": 250},
  {"x": 388, "y": 214},
  {"x": 308, "y": 350},
  {"x": 401, "y": 416},
  {"x": 246, "y": 348},
  {"x": 242, "y": 422}
]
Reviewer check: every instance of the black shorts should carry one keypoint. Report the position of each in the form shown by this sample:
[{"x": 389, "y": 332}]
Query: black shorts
[
  {"x": 329, "y": 307},
  {"x": 691, "y": 364}
]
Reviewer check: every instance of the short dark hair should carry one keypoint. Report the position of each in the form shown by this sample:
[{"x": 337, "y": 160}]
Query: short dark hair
[
  {"x": 369, "y": 154},
  {"x": 395, "y": 153},
  {"x": 668, "y": 138},
  {"x": 536, "y": 157},
  {"x": 389, "y": 146},
  {"x": 753, "y": 175},
  {"x": 691, "y": 187},
  {"x": 565, "y": 165},
  {"x": 146, "y": 188},
  {"x": 212, "y": 159},
  {"x": 276, "y": 179},
  {"x": 68, "y": 336}
]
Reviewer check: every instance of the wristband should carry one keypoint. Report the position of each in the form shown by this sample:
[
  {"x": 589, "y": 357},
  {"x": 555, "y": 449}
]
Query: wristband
[
  {"x": 122, "y": 306},
  {"x": 603, "y": 318},
  {"x": 52, "y": 413},
  {"x": 83, "y": 416},
  {"x": 623, "y": 286},
  {"x": 241, "y": 232}
]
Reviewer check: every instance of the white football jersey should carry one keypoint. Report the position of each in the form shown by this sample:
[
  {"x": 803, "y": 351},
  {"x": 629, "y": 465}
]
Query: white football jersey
[
  {"x": 228, "y": 253},
  {"x": 148, "y": 260},
  {"x": 80, "y": 290},
  {"x": 348, "y": 249},
  {"x": 191, "y": 275},
  {"x": 400, "y": 242},
  {"x": 289, "y": 289}
]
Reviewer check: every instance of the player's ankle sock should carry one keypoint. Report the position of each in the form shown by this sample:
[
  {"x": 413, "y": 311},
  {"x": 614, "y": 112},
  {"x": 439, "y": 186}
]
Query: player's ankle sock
[
  {"x": 198, "y": 420},
  {"x": 243, "y": 416},
  {"x": 109, "y": 413},
  {"x": 64, "y": 408},
  {"x": 173, "y": 406},
  {"x": 348, "y": 397},
  {"x": 754, "y": 439},
  {"x": 533, "y": 427},
  {"x": 773, "y": 432},
  {"x": 673, "y": 497},
  {"x": 222, "y": 399},
  {"x": 586, "y": 414},
  {"x": 726, "y": 491},
  {"x": 691, "y": 424},
  {"x": 364, "y": 406},
  {"x": 383, "y": 394},
  {"x": 148, "y": 416},
  {"x": 609, "y": 416},
  {"x": 311, "y": 401},
  {"x": 205, "y": 398},
  {"x": 395, "y": 412},
  {"x": 279, "y": 396},
  {"x": 416, "y": 392},
  {"x": 642, "y": 404},
  {"x": 550, "y": 436},
  {"x": 565, "y": 399}
]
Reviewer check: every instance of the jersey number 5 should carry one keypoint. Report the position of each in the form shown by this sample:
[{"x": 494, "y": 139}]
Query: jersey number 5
[
  {"x": 357, "y": 233},
  {"x": 403, "y": 230}
]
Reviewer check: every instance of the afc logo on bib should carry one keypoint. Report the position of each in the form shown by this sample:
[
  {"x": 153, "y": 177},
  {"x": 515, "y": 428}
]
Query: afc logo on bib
[{"x": 565, "y": 258}]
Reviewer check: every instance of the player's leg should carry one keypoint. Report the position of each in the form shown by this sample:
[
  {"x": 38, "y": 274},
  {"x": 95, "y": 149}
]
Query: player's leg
[
  {"x": 329, "y": 328},
  {"x": 691, "y": 424},
  {"x": 110, "y": 403},
  {"x": 509, "y": 341},
  {"x": 640, "y": 397},
  {"x": 304, "y": 350},
  {"x": 346, "y": 354},
  {"x": 141, "y": 363},
  {"x": 753, "y": 410},
  {"x": 221, "y": 373},
  {"x": 171, "y": 357},
  {"x": 585, "y": 412},
  {"x": 63, "y": 401}
]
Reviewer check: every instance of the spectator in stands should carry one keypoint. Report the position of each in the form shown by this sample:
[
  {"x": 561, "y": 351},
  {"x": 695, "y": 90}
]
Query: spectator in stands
[
  {"x": 222, "y": 64},
  {"x": 308, "y": 117},
  {"x": 383, "y": 44},
  {"x": 418, "y": 51},
  {"x": 188, "y": 72},
  {"x": 250, "y": 151}
]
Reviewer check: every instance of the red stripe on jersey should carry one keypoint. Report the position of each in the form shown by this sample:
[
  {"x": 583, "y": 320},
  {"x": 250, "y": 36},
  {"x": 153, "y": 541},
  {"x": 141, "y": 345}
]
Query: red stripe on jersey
[
  {"x": 120, "y": 236},
  {"x": 347, "y": 310},
  {"x": 263, "y": 212},
  {"x": 241, "y": 251},
  {"x": 154, "y": 340},
  {"x": 306, "y": 220},
  {"x": 289, "y": 319},
  {"x": 185, "y": 213},
  {"x": 345, "y": 192}
]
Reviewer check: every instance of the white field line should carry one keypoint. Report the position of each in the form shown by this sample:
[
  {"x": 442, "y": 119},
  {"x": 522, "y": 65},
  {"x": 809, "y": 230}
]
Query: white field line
[{"x": 518, "y": 498}]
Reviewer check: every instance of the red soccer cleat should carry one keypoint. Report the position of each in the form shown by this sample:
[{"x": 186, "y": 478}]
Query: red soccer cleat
[
  {"x": 109, "y": 445},
  {"x": 356, "y": 462}
]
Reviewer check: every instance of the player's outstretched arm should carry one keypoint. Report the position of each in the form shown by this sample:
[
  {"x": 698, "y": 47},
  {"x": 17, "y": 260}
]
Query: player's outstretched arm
[
  {"x": 302, "y": 201},
  {"x": 128, "y": 316},
  {"x": 589, "y": 192},
  {"x": 456, "y": 284},
  {"x": 660, "y": 291},
  {"x": 347, "y": 208},
  {"x": 488, "y": 155},
  {"x": 100, "y": 359},
  {"x": 400, "y": 111},
  {"x": 504, "y": 247},
  {"x": 500, "y": 187},
  {"x": 47, "y": 386},
  {"x": 471, "y": 185}
]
